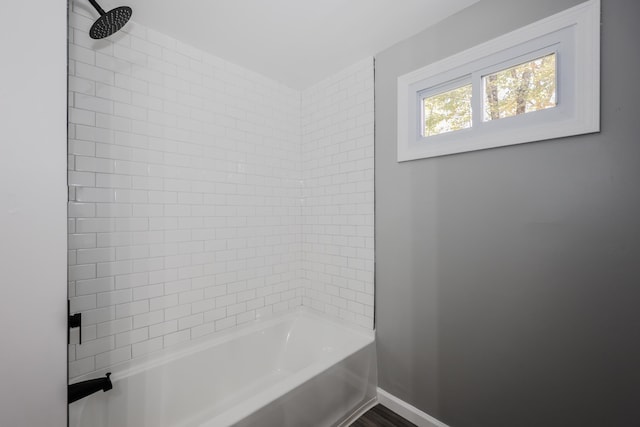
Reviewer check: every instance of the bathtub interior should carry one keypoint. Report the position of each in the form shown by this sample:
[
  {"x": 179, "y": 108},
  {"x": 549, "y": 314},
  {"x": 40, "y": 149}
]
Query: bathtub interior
[{"x": 223, "y": 380}]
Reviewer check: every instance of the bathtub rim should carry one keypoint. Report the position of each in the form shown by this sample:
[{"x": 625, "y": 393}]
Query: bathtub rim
[{"x": 163, "y": 356}]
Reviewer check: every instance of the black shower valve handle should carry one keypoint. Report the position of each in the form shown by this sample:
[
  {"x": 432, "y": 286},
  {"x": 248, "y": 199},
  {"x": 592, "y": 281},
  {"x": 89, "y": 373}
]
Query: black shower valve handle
[{"x": 75, "y": 321}]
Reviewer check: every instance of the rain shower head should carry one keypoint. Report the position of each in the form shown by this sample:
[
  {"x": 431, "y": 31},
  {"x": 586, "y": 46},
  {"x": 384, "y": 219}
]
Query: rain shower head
[{"x": 109, "y": 22}]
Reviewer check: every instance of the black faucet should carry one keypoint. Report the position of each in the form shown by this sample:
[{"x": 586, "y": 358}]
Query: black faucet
[{"x": 85, "y": 388}]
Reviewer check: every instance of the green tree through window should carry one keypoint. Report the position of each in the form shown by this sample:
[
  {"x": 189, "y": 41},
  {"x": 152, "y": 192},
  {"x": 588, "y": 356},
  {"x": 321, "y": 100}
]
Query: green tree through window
[
  {"x": 521, "y": 89},
  {"x": 447, "y": 111}
]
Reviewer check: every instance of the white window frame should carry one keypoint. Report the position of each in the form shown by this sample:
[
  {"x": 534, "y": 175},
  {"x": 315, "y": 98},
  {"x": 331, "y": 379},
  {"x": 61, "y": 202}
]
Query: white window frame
[{"x": 574, "y": 35}]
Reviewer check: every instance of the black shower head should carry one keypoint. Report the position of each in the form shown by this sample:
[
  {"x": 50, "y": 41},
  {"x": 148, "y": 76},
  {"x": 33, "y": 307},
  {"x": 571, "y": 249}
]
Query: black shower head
[{"x": 109, "y": 22}]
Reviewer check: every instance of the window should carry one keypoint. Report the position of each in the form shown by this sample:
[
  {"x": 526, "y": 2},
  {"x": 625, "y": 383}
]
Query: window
[
  {"x": 521, "y": 89},
  {"x": 539, "y": 82},
  {"x": 446, "y": 111}
]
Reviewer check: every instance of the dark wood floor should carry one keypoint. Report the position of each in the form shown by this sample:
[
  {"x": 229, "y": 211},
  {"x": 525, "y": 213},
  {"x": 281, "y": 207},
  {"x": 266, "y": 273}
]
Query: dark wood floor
[{"x": 379, "y": 416}]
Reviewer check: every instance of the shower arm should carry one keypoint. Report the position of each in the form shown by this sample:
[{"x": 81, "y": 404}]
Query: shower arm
[{"x": 97, "y": 7}]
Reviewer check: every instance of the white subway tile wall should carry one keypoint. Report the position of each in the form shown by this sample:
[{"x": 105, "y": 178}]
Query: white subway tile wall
[
  {"x": 338, "y": 204},
  {"x": 186, "y": 195}
]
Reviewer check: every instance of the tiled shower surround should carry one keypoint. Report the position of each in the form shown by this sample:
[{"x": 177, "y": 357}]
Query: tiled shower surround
[
  {"x": 203, "y": 195},
  {"x": 337, "y": 210}
]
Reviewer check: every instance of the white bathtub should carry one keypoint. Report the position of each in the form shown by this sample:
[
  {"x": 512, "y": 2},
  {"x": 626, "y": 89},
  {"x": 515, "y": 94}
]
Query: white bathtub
[{"x": 295, "y": 370}]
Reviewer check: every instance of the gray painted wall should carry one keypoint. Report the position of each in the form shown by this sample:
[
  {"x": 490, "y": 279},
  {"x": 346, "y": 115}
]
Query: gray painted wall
[{"x": 508, "y": 280}]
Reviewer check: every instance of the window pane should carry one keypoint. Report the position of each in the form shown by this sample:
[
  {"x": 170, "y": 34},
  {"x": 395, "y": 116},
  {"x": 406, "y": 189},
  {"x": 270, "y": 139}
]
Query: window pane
[
  {"x": 447, "y": 111},
  {"x": 521, "y": 89}
]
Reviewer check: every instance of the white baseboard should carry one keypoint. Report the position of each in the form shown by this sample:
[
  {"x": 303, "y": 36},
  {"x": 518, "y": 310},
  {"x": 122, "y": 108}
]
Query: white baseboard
[{"x": 406, "y": 411}]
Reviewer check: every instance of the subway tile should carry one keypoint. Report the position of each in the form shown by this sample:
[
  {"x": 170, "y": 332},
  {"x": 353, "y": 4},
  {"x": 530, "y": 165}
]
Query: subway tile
[
  {"x": 177, "y": 312},
  {"x": 113, "y": 93},
  {"x": 129, "y": 55},
  {"x": 148, "y": 265},
  {"x": 191, "y": 321},
  {"x": 161, "y": 276},
  {"x": 256, "y": 303},
  {"x": 82, "y": 54},
  {"x": 94, "y": 286},
  {"x": 113, "y": 151},
  {"x": 131, "y": 168},
  {"x": 88, "y": 194},
  {"x": 160, "y": 39},
  {"x": 191, "y": 296},
  {"x": 108, "y": 62},
  {"x": 164, "y": 328},
  {"x": 114, "y": 327},
  {"x": 131, "y": 140},
  {"x": 148, "y": 292},
  {"x": 176, "y": 338},
  {"x": 236, "y": 309},
  {"x": 91, "y": 348},
  {"x": 82, "y": 303},
  {"x": 97, "y": 74},
  {"x": 177, "y": 286},
  {"x": 226, "y": 323},
  {"x": 99, "y": 315},
  {"x": 226, "y": 300},
  {"x": 201, "y": 306},
  {"x": 148, "y": 319},
  {"x": 110, "y": 358},
  {"x": 81, "y": 367},
  {"x": 148, "y": 210},
  {"x": 82, "y": 86},
  {"x": 92, "y": 164},
  {"x": 246, "y": 317},
  {"x": 146, "y": 347},
  {"x": 82, "y": 117},
  {"x": 81, "y": 272},
  {"x": 132, "y": 252},
  {"x": 131, "y": 337},
  {"x": 146, "y": 183},
  {"x": 130, "y": 83},
  {"x": 132, "y": 309},
  {"x": 81, "y": 179},
  {"x": 163, "y": 302},
  {"x": 75, "y": 210},
  {"x": 112, "y": 298},
  {"x": 202, "y": 330},
  {"x": 81, "y": 241},
  {"x": 112, "y": 181},
  {"x": 190, "y": 272},
  {"x": 130, "y": 111},
  {"x": 150, "y": 73},
  {"x": 81, "y": 148},
  {"x": 95, "y": 255},
  {"x": 114, "y": 268}
]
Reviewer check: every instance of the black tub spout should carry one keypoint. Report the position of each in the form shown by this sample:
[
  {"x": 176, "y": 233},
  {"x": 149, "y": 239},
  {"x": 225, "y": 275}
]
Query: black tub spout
[{"x": 85, "y": 388}]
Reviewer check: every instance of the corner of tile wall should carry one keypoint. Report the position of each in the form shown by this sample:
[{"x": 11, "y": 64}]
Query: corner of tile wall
[{"x": 338, "y": 211}]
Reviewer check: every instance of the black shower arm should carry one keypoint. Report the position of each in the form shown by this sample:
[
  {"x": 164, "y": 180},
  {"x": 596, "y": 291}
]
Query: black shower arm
[{"x": 97, "y": 6}]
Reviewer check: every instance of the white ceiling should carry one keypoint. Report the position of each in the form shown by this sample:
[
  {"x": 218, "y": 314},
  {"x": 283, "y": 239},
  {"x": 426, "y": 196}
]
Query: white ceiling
[{"x": 296, "y": 42}]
